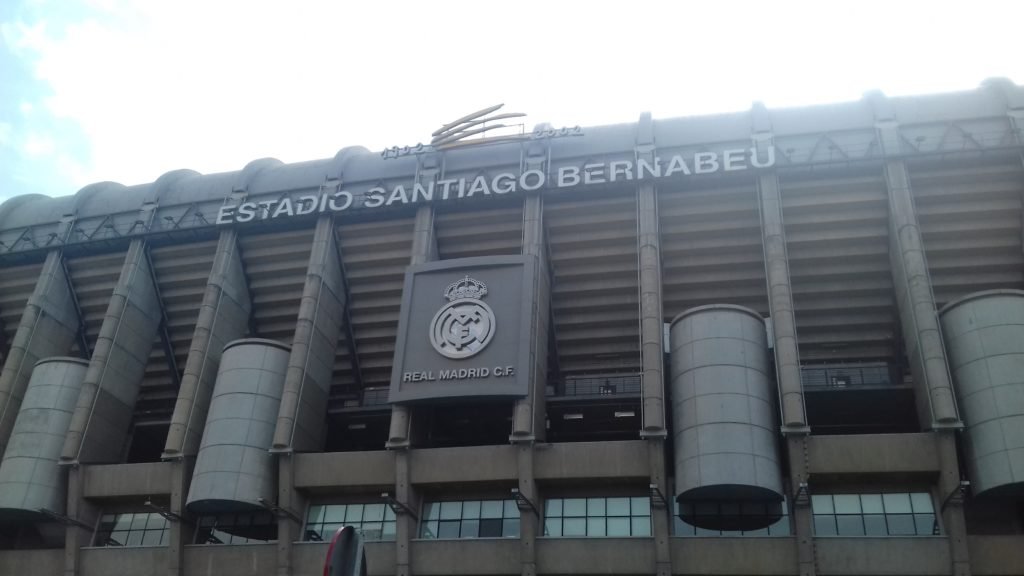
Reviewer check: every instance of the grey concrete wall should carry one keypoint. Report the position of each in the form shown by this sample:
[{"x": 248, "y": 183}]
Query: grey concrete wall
[
  {"x": 623, "y": 460},
  {"x": 123, "y": 561},
  {"x": 447, "y": 557},
  {"x": 762, "y": 556},
  {"x": 872, "y": 453},
  {"x": 47, "y": 328},
  {"x": 341, "y": 469},
  {"x": 725, "y": 434},
  {"x": 581, "y": 556},
  {"x": 34, "y": 562},
  {"x": 985, "y": 340},
  {"x": 302, "y": 419},
  {"x": 126, "y": 480},
  {"x": 223, "y": 317},
  {"x": 882, "y": 556},
  {"x": 104, "y": 411},
  {"x": 996, "y": 555},
  {"x": 233, "y": 469},
  {"x": 230, "y": 560},
  {"x": 308, "y": 558},
  {"x": 29, "y": 476},
  {"x": 467, "y": 464}
]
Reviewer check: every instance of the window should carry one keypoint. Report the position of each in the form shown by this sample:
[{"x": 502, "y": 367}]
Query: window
[
  {"x": 373, "y": 521},
  {"x": 132, "y": 529},
  {"x": 732, "y": 513},
  {"x": 470, "y": 519},
  {"x": 896, "y": 514},
  {"x": 596, "y": 517},
  {"x": 242, "y": 528}
]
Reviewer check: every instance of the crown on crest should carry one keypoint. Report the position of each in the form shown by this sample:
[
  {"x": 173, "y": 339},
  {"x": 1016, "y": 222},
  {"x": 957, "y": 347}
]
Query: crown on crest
[{"x": 465, "y": 288}]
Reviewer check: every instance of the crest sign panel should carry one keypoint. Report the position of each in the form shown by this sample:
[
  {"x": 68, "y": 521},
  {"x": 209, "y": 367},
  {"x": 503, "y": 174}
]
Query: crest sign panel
[{"x": 465, "y": 329}]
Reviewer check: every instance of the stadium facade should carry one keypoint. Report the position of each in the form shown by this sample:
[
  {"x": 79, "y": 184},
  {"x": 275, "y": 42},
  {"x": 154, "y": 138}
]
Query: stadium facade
[{"x": 772, "y": 342}]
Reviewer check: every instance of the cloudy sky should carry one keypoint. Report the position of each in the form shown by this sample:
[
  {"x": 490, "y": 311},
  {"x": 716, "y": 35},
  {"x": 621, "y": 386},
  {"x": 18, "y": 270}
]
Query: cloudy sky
[{"x": 125, "y": 91}]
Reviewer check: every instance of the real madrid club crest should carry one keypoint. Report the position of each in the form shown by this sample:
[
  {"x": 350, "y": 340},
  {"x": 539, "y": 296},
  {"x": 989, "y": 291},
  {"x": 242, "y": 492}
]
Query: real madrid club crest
[{"x": 465, "y": 325}]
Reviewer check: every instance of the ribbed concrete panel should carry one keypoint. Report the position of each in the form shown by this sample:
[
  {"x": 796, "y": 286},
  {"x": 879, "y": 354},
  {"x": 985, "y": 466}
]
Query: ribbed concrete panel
[
  {"x": 595, "y": 295},
  {"x": 275, "y": 265},
  {"x": 970, "y": 225},
  {"x": 16, "y": 286},
  {"x": 479, "y": 232},
  {"x": 302, "y": 418},
  {"x": 104, "y": 411},
  {"x": 375, "y": 255},
  {"x": 984, "y": 335},
  {"x": 722, "y": 395},
  {"x": 30, "y": 479},
  {"x": 222, "y": 318},
  {"x": 47, "y": 328},
  {"x": 711, "y": 249},
  {"x": 838, "y": 244},
  {"x": 182, "y": 271},
  {"x": 234, "y": 470}
]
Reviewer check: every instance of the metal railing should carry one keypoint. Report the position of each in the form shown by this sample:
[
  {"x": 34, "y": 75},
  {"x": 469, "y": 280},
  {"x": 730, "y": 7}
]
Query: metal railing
[
  {"x": 597, "y": 386},
  {"x": 840, "y": 377}
]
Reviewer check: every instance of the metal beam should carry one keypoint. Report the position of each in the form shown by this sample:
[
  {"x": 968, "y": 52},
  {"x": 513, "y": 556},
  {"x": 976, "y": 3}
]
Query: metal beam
[
  {"x": 253, "y": 331},
  {"x": 83, "y": 341},
  {"x": 165, "y": 336}
]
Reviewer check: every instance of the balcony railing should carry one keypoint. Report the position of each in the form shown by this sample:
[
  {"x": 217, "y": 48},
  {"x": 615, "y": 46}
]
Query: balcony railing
[
  {"x": 840, "y": 377},
  {"x": 597, "y": 386}
]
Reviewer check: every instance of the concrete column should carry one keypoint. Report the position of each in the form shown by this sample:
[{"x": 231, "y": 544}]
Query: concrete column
[
  {"x": 951, "y": 502},
  {"x": 289, "y": 522},
  {"x": 83, "y": 516},
  {"x": 800, "y": 504},
  {"x": 104, "y": 410},
  {"x": 302, "y": 420},
  {"x": 529, "y": 415},
  {"x": 912, "y": 283},
  {"x": 223, "y": 317},
  {"x": 780, "y": 298},
  {"x": 652, "y": 321},
  {"x": 424, "y": 249},
  {"x": 48, "y": 327},
  {"x": 182, "y": 531},
  {"x": 936, "y": 404},
  {"x": 652, "y": 345}
]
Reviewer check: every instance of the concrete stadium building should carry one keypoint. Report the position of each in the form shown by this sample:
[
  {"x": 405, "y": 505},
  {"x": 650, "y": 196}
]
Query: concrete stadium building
[{"x": 784, "y": 342}]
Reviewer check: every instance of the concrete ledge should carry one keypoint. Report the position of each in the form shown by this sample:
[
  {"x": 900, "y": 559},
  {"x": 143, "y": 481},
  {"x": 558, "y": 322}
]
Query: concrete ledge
[
  {"x": 339, "y": 469},
  {"x": 477, "y": 557},
  {"x": 231, "y": 560},
  {"x": 892, "y": 556},
  {"x": 873, "y": 453},
  {"x": 124, "y": 561},
  {"x": 767, "y": 556},
  {"x": 115, "y": 480},
  {"x": 620, "y": 460},
  {"x": 468, "y": 464},
  {"x": 595, "y": 556},
  {"x": 34, "y": 562},
  {"x": 308, "y": 558},
  {"x": 996, "y": 555}
]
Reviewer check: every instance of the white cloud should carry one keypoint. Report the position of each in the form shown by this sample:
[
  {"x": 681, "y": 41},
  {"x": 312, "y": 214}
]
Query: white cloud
[
  {"x": 212, "y": 85},
  {"x": 36, "y": 144}
]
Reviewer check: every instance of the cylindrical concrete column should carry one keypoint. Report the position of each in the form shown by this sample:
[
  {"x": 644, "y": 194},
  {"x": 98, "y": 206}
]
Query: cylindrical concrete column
[
  {"x": 234, "y": 469},
  {"x": 722, "y": 395},
  {"x": 30, "y": 479},
  {"x": 984, "y": 335}
]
